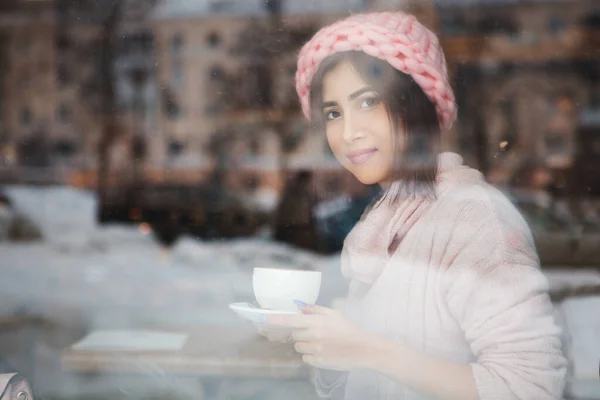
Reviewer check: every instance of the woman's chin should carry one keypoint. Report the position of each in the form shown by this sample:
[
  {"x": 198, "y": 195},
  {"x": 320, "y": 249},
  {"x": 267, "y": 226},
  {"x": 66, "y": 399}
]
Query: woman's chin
[
  {"x": 368, "y": 173},
  {"x": 367, "y": 179}
]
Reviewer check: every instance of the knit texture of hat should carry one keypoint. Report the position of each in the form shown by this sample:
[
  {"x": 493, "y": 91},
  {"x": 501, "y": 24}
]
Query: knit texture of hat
[{"x": 395, "y": 37}]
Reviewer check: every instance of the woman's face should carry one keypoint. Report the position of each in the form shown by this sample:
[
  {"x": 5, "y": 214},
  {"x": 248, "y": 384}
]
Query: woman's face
[{"x": 357, "y": 125}]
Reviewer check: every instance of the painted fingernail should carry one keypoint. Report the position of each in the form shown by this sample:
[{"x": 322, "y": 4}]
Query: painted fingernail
[{"x": 300, "y": 303}]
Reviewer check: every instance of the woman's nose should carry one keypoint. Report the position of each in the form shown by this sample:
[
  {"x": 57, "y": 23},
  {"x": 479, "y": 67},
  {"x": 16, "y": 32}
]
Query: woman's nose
[{"x": 353, "y": 129}]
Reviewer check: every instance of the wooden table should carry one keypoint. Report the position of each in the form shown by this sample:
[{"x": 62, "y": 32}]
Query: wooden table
[{"x": 211, "y": 354}]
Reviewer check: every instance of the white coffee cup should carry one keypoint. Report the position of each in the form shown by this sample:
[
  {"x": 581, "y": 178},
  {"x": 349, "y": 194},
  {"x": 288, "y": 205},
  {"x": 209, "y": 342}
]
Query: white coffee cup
[{"x": 277, "y": 288}]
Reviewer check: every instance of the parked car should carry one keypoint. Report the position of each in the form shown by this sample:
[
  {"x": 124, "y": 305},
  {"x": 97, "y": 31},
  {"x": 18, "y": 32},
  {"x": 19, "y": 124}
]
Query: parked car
[{"x": 202, "y": 211}]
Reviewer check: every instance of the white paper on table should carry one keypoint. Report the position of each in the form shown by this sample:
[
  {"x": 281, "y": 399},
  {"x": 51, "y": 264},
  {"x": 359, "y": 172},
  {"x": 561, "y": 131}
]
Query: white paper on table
[{"x": 131, "y": 340}]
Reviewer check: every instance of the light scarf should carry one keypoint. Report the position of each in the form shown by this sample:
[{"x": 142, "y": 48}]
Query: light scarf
[{"x": 372, "y": 241}]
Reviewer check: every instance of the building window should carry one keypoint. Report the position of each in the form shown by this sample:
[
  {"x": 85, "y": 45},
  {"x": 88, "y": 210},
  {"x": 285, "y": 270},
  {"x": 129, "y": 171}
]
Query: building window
[
  {"x": 273, "y": 7},
  {"x": 216, "y": 74},
  {"x": 556, "y": 143},
  {"x": 25, "y": 116},
  {"x": 174, "y": 111},
  {"x": 142, "y": 42},
  {"x": 170, "y": 104},
  {"x": 63, "y": 113},
  {"x": 24, "y": 42},
  {"x": 595, "y": 147},
  {"x": 497, "y": 25},
  {"x": 174, "y": 147},
  {"x": 592, "y": 21},
  {"x": 62, "y": 75},
  {"x": 452, "y": 24},
  {"x": 213, "y": 39},
  {"x": 257, "y": 87},
  {"x": 177, "y": 79},
  {"x": 65, "y": 148},
  {"x": 254, "y": 146},
  {"x": 220, "y": 5},
  {"x": 62, "y": 42},
  {"x": 177, "y": 45},
  {"x": 252, "y": 182},
  {"x": 556, "y": 25}
]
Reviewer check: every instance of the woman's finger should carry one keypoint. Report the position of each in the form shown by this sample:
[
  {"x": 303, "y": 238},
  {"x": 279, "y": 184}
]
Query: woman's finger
[
  {"x": 313, "y": 360},
  {"x": 319, "y": 310},
  {"x": 307, "y": 348},
  {"x": 280, "y": 336},
  {"x": 264, "y": 329},
  {"x": 299, "y": 321},
  {"x": 303, "y": 335},
  {"x": 261, "y": 330}
]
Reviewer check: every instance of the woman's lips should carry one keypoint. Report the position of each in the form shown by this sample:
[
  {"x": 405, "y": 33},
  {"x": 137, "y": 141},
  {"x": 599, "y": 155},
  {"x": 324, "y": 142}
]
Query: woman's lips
[{"x": 361, "y": 156}]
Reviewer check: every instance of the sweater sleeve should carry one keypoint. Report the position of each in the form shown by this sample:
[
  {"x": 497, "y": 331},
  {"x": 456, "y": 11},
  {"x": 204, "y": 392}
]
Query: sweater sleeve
[{"x": 499, "y": 296}]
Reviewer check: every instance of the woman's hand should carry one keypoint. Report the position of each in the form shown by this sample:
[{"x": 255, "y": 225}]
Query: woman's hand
[
  {"x": 274, "y": 333},
  {"x": 326, "y": 339}
]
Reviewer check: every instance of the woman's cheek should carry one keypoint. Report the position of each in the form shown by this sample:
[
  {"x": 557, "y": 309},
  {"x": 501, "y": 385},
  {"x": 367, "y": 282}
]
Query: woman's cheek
[{"x": 333, "y": 140}]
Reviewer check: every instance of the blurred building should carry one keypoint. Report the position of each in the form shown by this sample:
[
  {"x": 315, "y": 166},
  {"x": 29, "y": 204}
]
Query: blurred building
[
  {"x": 41, "y": 121},
  {"x": 524, "y": 74},
  {"x": 227, "y": 74},
  {"x": 204, "y": 88},
  {"x": 52, "y": 84},
  {"x": 198, "y": 85}
]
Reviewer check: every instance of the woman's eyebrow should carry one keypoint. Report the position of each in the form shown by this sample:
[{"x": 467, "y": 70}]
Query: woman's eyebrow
[
  {"x": 359, "y": 92},
  {"x": 351, "y": 97},
  {"x": 328, "y": 104}
]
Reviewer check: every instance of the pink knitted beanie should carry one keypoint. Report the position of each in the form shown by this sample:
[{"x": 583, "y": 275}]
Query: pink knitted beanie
[{"x": 395, "y": 37}]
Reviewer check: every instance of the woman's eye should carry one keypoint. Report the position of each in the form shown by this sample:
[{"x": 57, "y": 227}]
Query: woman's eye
[
  {"x": 368, "y": 102},
  {"x": 331, "y": 115}
]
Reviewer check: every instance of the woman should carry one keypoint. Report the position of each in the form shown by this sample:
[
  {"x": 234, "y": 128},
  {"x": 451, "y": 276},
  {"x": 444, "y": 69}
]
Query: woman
[{"x": 446, "y": 298}]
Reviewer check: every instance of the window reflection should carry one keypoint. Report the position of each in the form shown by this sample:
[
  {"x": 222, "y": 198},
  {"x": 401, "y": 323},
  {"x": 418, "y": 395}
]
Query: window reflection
[{"x": 153, "y": 152}]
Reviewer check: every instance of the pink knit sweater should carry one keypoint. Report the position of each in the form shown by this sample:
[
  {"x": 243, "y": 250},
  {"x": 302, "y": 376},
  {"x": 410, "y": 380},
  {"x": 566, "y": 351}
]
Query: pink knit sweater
[{"x": 460, "y": 281}]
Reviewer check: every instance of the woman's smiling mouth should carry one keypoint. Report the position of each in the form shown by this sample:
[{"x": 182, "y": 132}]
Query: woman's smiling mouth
[{"x": 361, "y": 156}]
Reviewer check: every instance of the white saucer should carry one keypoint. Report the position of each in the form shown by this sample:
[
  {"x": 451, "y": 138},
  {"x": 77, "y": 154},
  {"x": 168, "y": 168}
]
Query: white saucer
[{"x": 253, "y": 313}]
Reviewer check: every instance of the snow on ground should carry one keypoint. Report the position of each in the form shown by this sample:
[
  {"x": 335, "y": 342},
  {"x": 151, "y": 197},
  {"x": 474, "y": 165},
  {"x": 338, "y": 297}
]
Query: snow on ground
[
  {"x": 99, "y": 267},
  {"x": 84, "y": 277},
  {"x": 564, "y": 279},
  {"x": 120, "y": 270},
  {"x": 63, "y": 210},
  {"x": 118, "y": 277}
]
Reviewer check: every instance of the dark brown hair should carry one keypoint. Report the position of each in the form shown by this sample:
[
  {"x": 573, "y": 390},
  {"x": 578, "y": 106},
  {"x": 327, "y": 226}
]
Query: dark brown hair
[{"x": 408, "y": 108}]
